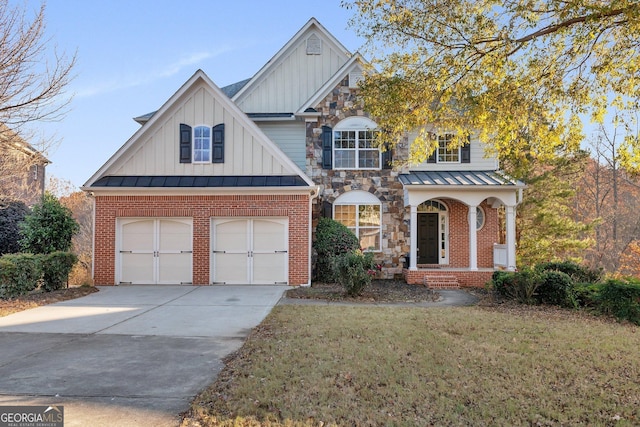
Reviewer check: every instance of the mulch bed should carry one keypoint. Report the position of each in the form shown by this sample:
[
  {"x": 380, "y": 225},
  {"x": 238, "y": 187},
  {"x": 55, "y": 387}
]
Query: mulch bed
[
  {"x": 378, "y": 291},
  {"x": 38, "y": 298}
]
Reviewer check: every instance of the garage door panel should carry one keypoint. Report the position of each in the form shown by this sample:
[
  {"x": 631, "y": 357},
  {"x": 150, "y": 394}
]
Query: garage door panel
[
  {"x": 269, "y": 268},
  {"x": 232, "y": 235},
  {"x": 231, "y": 268},
  {"x": 138, "y": 236},
  {"x": 269, "y": 236},
  {"x": 174, "y": 236},
  {"x": 172, "y": 268},
  {"x": 137, "y": 268}
]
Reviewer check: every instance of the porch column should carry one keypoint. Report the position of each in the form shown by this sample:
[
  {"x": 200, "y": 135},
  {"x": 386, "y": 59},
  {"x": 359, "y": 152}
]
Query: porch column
[
  {"x": 413, "y": 220},
  {"x": 511, "y": 237},
  {"x": 473, "y": 238}
]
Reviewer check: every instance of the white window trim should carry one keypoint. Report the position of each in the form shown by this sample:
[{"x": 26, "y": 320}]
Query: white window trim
[
  {"x": 193, "y": 148},
  {"x": 438, "y": 151},
  {"x": 359, "y": 198},
  {"x": 355, "y": 124}
]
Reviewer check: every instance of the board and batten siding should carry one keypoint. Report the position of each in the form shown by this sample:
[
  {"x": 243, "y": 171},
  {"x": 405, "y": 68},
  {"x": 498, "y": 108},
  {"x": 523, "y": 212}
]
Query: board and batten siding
[
  {"x": 294, "y": 78},
  {"x": 290, "y": 137},
  {"x": 157, "y": 150}
]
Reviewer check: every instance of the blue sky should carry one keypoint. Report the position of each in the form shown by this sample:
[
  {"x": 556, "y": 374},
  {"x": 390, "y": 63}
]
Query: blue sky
[{"x": 134, "y": 54}]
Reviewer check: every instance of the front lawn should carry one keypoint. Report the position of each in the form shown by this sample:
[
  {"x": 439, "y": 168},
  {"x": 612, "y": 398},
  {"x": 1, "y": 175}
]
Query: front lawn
[{"x": 311, "y": 365}]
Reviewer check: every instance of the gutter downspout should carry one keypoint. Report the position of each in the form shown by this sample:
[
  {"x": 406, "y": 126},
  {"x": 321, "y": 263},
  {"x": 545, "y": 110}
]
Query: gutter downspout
[{"x": 314, "y": 194}]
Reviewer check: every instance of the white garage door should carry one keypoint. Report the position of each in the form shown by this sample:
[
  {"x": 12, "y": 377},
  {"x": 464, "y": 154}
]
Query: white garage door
[
  {"x": 249, "y": 250},
  {"x": 154, "y": 250}
]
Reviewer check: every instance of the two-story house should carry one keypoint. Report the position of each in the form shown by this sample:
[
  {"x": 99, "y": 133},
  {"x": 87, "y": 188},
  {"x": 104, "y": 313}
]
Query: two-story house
[
  {"x": 225, "y": 185},
  {"x": 22, "y": 168}
]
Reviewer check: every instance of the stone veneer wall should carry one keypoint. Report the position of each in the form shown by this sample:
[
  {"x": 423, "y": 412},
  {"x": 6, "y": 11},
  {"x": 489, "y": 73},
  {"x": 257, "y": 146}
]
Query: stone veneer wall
[{"x": 383, "y": 184}]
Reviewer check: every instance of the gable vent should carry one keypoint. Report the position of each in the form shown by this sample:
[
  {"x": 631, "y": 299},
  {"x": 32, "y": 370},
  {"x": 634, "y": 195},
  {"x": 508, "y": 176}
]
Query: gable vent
[
  {"x": 355, "y": 77},
  {"x": 314, "y": 45}
]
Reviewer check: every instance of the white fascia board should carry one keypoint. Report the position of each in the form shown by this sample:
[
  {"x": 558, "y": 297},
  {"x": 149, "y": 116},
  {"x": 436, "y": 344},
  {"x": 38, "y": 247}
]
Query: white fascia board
[{"x": 197, "y": 191}]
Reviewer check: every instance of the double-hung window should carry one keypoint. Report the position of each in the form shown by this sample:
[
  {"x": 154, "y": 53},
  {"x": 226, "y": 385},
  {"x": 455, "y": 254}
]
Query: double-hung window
[
  {"x": 354, "y": 144},
  {"x": 446, "y": 154},
  {"x": 202, "y": 144},
  {"x": 360, "y": 212}
]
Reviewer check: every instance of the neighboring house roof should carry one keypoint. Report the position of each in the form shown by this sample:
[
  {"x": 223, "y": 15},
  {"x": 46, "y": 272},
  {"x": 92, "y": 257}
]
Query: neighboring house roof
[
  {"x": 295, "y": 73},
  {"x": 458, "y": 179},
  {"x": 10, "y": 139},
  {"x": 171, "y": 181},
  {"x": 151, "y": 151}
]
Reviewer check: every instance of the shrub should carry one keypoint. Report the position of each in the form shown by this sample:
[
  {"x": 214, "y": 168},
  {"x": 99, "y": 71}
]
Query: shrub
[
  {"x": 12, "y": 213},
  {"x": 556, "y": 288},
  {"x": 520, "y": 286},
  {"x": 587, "y": 294},
  {"x": 332, "y": 239},
  {"x": 355, "y": 270},
  {"x": 621, "y": 298},
  {"x": 56, "y": 267},
  {"x": 578, "y": 273},
  {"x": 48, "y": 228},
  {"x": 19, "y": 274}
]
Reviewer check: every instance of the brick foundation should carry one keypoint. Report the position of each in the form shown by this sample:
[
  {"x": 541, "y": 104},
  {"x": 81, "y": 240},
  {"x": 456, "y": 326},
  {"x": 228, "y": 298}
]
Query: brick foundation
[
  {"x": 465, "y": 278},
  {"x": 201, "y": 209}
]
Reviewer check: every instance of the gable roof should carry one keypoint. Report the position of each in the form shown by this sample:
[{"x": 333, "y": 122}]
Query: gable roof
[
  {"x": 10, "y": 139},
  {"x": 355, "y": 63},
  {"x": 294, "y": 73},
  {"x": 252, "y": 153}
]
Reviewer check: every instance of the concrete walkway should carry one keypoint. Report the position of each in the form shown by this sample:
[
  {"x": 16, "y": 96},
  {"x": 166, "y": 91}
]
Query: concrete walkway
[{"x": 127, "y": 355}]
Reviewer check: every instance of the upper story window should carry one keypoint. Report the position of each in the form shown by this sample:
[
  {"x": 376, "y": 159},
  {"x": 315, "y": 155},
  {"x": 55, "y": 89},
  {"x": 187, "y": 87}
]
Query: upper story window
[
  {"x": 354, "y": 144},
  {"x": 445, "y": 153},
  {"x": 202, "y": 144}
]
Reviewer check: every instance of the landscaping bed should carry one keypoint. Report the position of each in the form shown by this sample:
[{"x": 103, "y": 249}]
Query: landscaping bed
[
  {"x": 38, "y": 298},
  {"x": 379, "y": 291}
]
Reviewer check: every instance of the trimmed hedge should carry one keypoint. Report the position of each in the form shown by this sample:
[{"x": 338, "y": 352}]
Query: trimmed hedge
[
  {"x": 23, "y": 273},
  {"x": 19, "y": 274},
  {"x": 620, "y": 299}
]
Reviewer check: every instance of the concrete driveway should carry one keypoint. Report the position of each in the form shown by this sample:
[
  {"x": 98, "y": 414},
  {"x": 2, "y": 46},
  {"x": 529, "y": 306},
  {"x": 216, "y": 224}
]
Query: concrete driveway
[{"x": 127, "y": 355}]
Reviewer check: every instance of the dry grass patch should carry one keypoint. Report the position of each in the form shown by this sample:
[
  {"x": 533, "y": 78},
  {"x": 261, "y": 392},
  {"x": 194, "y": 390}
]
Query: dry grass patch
[{"x": 409, "y": 366}]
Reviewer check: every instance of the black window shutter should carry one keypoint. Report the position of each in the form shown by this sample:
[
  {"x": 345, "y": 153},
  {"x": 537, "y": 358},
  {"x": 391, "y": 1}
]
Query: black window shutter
[
  {"x": 327, "y": 209},
  {"x": 432, "y": 157},
  {"x": 387, "y": 158},
  {"x": 465, "y": 152},
  {"x": 217, "y": 144},
  {"x": 185, "y": 143},
  {"x": 327, "y": 148}
]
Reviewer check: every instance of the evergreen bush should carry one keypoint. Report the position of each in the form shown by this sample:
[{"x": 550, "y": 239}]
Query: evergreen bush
[
  {"x": 56, "y": 267},
  {"x": 355, "y": 270},
  {"x": 12, "y": 213},
  {"x": 621, "y": 298},
  {"x": 332, "y": 239}
]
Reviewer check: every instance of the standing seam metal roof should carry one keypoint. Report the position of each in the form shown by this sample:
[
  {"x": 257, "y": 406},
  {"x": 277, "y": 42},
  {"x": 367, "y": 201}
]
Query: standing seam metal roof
[{"x": 458, "y": 178}]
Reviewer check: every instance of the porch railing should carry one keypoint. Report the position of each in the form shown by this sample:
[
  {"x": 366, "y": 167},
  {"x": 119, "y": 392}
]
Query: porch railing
[{"x": 499, "y": 256}]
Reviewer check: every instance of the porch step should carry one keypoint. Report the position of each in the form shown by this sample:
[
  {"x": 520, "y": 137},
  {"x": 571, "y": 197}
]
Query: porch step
[{"x": 443, "y": 281}]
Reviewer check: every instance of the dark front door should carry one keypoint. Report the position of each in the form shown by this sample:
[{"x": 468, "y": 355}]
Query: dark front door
[{"x": 428, "y": 238}]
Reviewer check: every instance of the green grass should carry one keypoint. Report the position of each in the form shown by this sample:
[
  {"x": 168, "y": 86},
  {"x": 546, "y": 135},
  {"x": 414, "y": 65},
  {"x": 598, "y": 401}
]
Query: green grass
[{"x": 332, "y": 365}]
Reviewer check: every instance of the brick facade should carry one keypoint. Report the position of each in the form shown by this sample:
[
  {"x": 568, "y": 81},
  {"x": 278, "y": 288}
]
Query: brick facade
[{"x": 201, "y": 209}]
